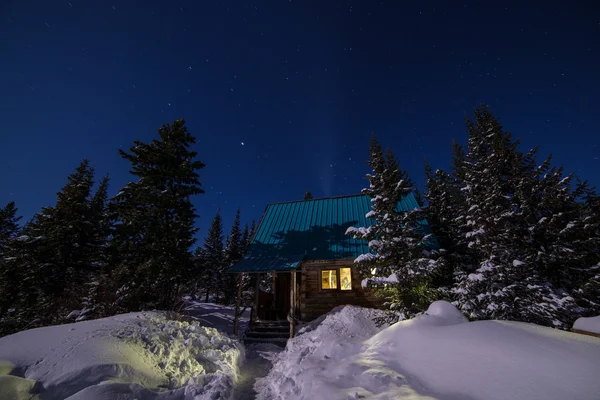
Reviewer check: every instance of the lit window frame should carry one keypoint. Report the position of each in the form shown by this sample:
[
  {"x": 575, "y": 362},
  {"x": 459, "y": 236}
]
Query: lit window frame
[{"x": 338, "y": 287}]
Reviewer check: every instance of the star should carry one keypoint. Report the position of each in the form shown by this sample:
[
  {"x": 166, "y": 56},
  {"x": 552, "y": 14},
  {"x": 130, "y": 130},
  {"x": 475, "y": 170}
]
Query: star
[{"x": 242, "y": 143}]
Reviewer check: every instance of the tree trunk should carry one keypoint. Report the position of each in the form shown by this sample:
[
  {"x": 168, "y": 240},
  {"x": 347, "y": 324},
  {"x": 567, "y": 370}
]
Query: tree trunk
[
  {"x": 237, "y": 305},
  {"x": 256, "y": 289}
]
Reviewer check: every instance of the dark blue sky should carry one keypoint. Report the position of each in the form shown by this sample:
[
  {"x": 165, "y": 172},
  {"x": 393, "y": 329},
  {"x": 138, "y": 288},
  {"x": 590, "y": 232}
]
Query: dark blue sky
[{"x": 283, "y": 95}]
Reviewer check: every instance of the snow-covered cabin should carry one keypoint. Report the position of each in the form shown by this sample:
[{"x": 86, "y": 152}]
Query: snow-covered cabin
[{"x": 304, "y": 244}]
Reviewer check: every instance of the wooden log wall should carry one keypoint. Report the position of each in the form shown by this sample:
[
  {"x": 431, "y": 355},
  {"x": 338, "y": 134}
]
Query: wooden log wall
[{"x": 314, "y": 301}]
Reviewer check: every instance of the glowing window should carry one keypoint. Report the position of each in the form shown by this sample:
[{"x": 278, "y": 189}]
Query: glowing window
[
  {"x": 345, "y": 279},
  {"x": 329, "y": 279}
]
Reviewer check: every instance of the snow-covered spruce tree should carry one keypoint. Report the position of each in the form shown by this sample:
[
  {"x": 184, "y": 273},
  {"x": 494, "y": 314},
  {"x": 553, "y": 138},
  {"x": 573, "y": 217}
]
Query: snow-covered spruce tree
[
  {"x": 213, "y": 259},
  {"x": 234, "y": 251},
  {"x": 53, "y": 258},
  {"x": 96, "y": 292},
  {"x": 198, "y": 273},
  {"x": 9, "y": 225},
  {"x": 9, "y": 230},
  {"x": 245, "y": 239},
  {"x": 443, "y": 216},
  {"x": 459, "y": 255},
  {"x": 251, "y": 234},
  {"x": 562, "y": 230},
  {"x": 418, "y": 196},
  {"x": 155, "y": 219},
  {"x": 20, "y": 283},
  {"x": 586, "y": 288},
  {"x": 505, "y": 284},
  {"x": 396, "y": 239}
]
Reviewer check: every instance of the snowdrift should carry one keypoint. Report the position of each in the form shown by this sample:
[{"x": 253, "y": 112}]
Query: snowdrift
[
  {"x": 590, "y": 324},
  {"x": 130, "y": 356},
  {"x": 304, "y": 369},
  {"x": 437, "y": 355}
]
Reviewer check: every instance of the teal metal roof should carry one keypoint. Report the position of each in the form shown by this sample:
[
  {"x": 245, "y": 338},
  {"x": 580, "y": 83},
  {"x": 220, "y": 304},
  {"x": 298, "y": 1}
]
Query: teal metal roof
[{"x": 289, "y": 233}]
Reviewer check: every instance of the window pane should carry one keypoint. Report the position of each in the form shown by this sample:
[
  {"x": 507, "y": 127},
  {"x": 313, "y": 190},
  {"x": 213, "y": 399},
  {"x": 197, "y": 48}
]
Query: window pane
[
  {"x": 345, "y": 279},
  {"x": 329, "y": 279}
]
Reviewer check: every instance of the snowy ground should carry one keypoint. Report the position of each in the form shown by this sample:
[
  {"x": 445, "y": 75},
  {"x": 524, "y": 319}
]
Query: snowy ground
[
  {"x": 435, "y": 356},
  {"x": 258, "y": 363},
  {"x": 215, "y": 316},
  {"x": 591, "y": 324},
  {"x": 258, "y": 360},
  {"x": 137, "y": 355},
  {"x": 342, "y": 355}
]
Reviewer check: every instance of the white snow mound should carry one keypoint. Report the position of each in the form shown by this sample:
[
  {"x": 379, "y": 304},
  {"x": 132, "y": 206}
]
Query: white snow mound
[
  {"x": 590, "y": 324},
  {"x": 129, "y": 356},
  {"x": 447, "y": 312},
  {"x": 437, "y": 355},
  {"x": 301, "y": 370}
]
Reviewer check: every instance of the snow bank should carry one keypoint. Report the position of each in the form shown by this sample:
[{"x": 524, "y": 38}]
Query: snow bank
[
  {"x": 302, "y": 370},
  {"x": 437, "y": 355},
  {"x": 137, "y": 355},
  {"x": 591, "y": 324},
  {"x": 488, "y": 360}
]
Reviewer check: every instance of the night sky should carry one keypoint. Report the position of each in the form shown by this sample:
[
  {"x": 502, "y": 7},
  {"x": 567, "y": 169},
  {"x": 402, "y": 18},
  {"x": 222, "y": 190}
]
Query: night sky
[{"x": 283, "y": 95}]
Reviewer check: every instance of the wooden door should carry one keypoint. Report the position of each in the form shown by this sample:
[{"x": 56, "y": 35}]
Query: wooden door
[{"x": 282, "y": 294}]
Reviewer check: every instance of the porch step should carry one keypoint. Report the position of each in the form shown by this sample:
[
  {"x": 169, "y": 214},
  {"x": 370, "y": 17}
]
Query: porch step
[
  {"x": 272, "y": 332},
  {"x": 276, "y": 341},
  {"x": 282, "y": 329},
  {"x": 266, "y": 335},
  {"x": 282, "y": 322}
]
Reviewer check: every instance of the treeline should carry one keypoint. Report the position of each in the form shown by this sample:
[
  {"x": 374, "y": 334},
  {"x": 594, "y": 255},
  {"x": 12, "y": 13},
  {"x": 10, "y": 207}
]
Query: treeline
[
  {"x": 89, "y": 256},
  {"x": 507, "y": 237}
]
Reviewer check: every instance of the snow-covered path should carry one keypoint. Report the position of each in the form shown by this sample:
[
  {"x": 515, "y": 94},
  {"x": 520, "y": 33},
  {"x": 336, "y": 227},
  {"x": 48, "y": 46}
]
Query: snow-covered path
[
  {"x": 259, "y": 361},
  {"x": 259, "y": 358}
]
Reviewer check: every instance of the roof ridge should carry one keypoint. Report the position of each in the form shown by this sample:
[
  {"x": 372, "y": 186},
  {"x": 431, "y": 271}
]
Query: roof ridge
[{"x": 320, "y": 198}]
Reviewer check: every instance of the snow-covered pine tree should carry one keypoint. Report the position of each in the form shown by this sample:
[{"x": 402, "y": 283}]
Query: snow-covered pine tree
[
  {"x": 505, "y": 283},
  {"x": 50, "y": 262},
  {"x": 213, "y": 258},
  {"x": 397, "y": 240},
  {"x": 245, "y": 239},
  {"x": 156, "y": 219},
  {"x": 96, "y": 291},
  {"x": 562, "y": 232},
  {"x": 442, "y": 213},
  {"x": 586, "y": 288},
  {"x": 198, "y": 274},
  {"x": 418, "y": 196},
  {"x": 9, "y": 225},
  {"x": 9, "y": 230}
]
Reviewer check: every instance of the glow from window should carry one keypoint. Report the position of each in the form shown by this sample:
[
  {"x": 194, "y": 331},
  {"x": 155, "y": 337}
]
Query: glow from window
[
  {"x": 329, "y": 279},
  {"x": 345, "y": 279}
]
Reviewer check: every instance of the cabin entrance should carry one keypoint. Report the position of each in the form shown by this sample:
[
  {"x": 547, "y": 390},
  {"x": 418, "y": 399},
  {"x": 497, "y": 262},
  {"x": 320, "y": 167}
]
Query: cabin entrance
[{"x": 275, "y": 306}]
